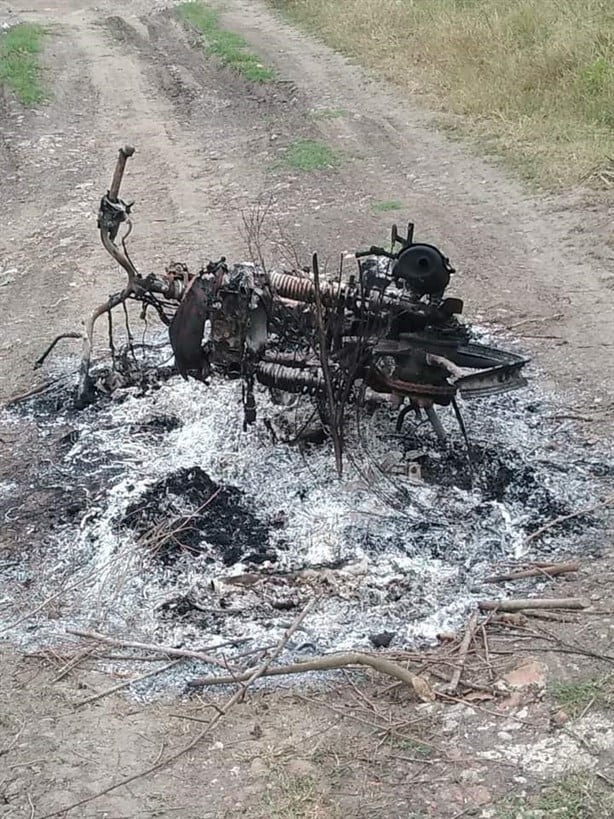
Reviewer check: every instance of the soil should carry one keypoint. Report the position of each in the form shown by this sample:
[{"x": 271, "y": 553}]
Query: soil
[{"x": 210, "y": 145}]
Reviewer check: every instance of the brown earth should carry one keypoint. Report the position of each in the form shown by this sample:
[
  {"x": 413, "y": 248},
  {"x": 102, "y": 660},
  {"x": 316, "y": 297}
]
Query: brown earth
[{"x": 209, "y": 144}]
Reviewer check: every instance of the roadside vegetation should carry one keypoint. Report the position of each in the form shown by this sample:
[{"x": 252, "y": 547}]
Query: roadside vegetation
[
  {"x": 387, "y": 205},
  {"x": 529, "y": 80},
  {"x": 230, "y": 48},
  {"x": 578, "y": 796},
  {"x": 310, "y": 155},
  {"x": 20, "y": 68},
  {"x": 576, "y": 697}
]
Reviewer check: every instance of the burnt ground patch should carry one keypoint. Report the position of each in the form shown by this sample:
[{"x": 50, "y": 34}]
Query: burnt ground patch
[
  {"x": 499, "y": 474},
  {"x": 189, "y": 512}
]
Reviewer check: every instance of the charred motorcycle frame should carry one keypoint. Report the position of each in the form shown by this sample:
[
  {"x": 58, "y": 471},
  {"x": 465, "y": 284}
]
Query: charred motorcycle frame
[{"x": 386, "y": 330}]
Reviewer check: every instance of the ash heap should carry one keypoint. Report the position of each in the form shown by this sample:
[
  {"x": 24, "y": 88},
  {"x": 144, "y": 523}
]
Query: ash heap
[{"x": 385, "y": 332}]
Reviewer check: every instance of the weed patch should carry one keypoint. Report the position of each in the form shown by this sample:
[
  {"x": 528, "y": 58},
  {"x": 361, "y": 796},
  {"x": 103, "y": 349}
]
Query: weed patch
[
  {"x": 231, "y": 49},
  {"x": 386, "y": 206},
  {"x": 310, "y": 155},
  {"x": 328, "y": 113},
  {"x": 574, "y": 697},
  {"x": 20, "y": 68},
  {"x": 579, "y": 796}
]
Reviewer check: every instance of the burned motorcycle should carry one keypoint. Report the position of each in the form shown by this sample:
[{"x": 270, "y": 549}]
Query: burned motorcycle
[{"x": 385, "y": 331}]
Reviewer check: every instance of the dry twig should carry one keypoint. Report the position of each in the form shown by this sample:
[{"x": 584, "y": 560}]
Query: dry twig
[
  {"x": 159, "y": 649},
  {"x": 462, "y": 655},
  {"x": 126, "y": 684},
  {"x": 547, "y": 526},
  {"x": 538, "y": 603},
  {"x": 548, "y": 570}
]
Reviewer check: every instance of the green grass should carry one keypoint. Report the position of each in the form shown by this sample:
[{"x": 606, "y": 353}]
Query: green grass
[
  {"x": 409, "y": 745},
  {"x": 387, "y": 205},
  {"x": 574, "y": 697},
  {"x": 310, "y": 155},
  {"x": 328, "y": 113},
  {"x": 578, "y": 796},
  {"x": 230, "y": 48},
  {"x": 528, "y": 80},
  {"x": 20, "y": 68}
]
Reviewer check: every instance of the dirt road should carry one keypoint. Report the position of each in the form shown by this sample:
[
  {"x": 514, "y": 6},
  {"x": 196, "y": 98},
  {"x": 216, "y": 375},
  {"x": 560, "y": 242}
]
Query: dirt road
[{"x": 209, "y": 145}]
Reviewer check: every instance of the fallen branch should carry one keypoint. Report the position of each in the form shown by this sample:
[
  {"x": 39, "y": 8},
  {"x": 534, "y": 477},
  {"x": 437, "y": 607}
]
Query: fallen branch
[
  {"x": 258, "y": 672},
  {"x": 519, "y": 604},
  {"x": 549, "y": 570},
  {"x": 550, "y": 616},
  {"x": 329, "y": 663},
  {"x": 159, "y": 649},
  {"x": 462, "y": 655}
]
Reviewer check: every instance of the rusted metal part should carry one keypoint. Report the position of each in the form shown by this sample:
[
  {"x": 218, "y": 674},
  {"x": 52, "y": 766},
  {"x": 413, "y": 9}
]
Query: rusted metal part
[
  {"x": 289, "y": 379},
  {"x": 186, "y": 333},
  {"x": 124, "y": 154}
]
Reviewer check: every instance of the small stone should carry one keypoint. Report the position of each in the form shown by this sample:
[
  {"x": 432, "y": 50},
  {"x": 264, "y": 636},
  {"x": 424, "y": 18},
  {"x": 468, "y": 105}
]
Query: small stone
[
  {"x": 559, "y": 718},
  {"x": 471, "y": 776},
  {"x": 530, "y": 673},
  {"x": 257, "y": 732},
  {"x": 382, "y": 640}
]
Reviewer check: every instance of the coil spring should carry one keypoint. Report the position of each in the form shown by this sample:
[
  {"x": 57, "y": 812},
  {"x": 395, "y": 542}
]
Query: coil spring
[
  {"x": 291, "y": 380},
  {"x": 298, "y": 289}
]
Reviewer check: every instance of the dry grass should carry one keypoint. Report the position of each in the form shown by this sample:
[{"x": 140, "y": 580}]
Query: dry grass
[{"x": 531, "y": 80}]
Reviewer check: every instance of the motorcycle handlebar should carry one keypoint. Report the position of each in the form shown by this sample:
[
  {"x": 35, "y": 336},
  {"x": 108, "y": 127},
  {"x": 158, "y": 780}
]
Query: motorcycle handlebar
[{"x": 124, "y": 154}]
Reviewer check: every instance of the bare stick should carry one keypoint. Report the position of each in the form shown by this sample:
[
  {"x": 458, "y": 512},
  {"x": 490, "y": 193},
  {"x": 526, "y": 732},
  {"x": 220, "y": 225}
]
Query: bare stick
[
  {"x": 30, "y": 393},
  {"x": 547, "y": 526},
  {"x": 126, "y": 684},
  {"x": 462, "y": 655},
  {"x": 329, "y": 663},
  {"x": 258, "y": 672},
  {"x": 518, "y": 605},
  {"x": 253, "y": 224},
  {"x": 535, "y": 320},
  {"x": 550, "y": 570},
  {"x": 160, "y": 649},
  {"x": 334, "y": 418},
  {"x": 41, "y": 358},
  {"x": 74, "y": 662}
]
